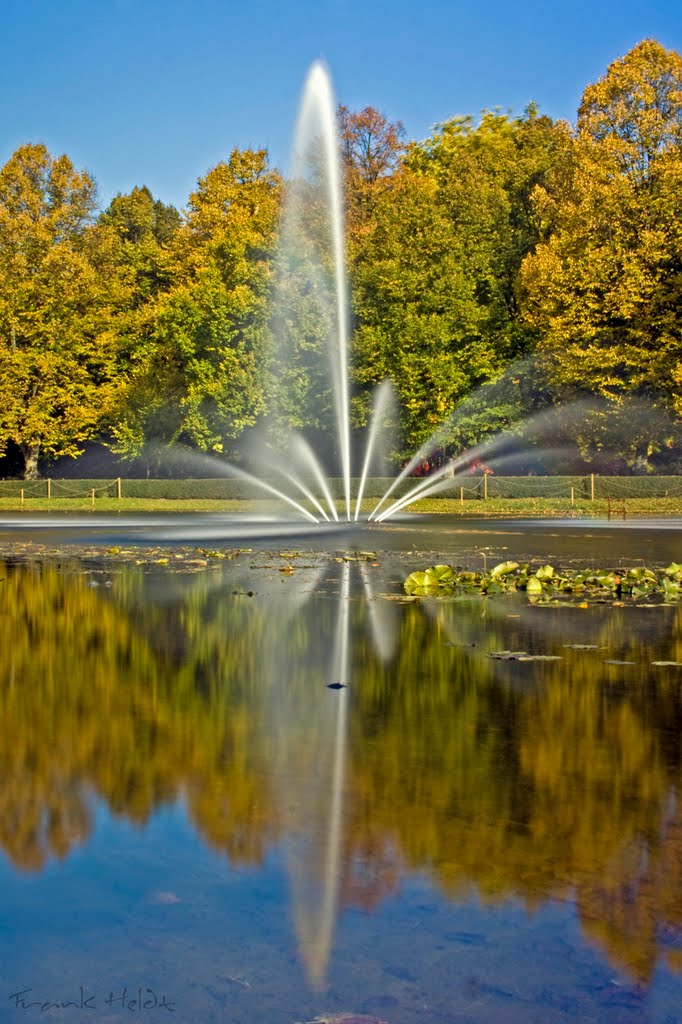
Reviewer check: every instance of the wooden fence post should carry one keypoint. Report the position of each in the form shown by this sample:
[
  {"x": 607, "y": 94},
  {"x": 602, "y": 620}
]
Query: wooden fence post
[
  {"x": 461, "y": 495},
  {"x": 118, "y": 488},
  {"x": 92, "y": 498},
  {"x": 592, "y": 485},
  {"x": 49, "y": 488},
  {"x": 485, "y": 486},
  {"x": 572, "y": 496}
]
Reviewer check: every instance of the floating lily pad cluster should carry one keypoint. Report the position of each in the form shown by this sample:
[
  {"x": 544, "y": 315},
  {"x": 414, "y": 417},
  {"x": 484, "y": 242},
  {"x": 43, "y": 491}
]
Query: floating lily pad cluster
[{"x": 548, "y": 582}]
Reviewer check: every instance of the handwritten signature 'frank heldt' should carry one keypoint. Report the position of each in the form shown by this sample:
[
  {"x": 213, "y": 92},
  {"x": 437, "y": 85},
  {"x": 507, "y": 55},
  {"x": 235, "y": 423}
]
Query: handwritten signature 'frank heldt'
[{"x": 133, "y": 1000}]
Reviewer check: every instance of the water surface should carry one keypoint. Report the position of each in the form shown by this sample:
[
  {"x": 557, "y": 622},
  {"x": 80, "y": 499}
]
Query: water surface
[{"x": 191, "y": 815}]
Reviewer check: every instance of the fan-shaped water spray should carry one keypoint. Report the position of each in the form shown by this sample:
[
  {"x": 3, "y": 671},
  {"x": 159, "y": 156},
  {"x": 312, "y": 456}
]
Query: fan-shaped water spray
[
  {"x": 307, "y": 442},
  {"x": 309, "y": 370}
]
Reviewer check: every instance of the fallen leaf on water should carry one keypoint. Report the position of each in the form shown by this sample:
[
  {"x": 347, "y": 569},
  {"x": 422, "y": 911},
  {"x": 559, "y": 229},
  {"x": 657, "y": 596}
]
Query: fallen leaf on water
[{"x": 541, "y": 657}]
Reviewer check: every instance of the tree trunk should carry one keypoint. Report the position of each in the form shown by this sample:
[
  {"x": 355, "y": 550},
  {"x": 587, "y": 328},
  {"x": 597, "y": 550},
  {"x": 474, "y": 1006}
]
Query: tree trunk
[{"x": 30, "y": 452}]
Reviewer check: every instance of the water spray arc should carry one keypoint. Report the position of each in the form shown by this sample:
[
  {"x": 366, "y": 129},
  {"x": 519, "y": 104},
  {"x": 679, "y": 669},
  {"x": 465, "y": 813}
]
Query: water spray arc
[{"x": 312, "y": 236}]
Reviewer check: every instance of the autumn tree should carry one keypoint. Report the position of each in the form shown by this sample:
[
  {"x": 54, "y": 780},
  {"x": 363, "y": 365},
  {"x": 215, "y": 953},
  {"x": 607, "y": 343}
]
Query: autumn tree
[
  {"x": 603, "y": 289},
  {"x": 57, "y": 297},
  {"x": 371, "y": 148}
]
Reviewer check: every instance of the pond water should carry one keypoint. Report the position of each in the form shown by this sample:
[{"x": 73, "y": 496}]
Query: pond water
[{"x": 196, "y": 826}]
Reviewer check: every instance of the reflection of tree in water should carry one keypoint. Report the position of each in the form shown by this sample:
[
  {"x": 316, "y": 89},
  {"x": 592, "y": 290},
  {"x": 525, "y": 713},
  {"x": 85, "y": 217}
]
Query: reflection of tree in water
[
  {"x": 90, "y": 706},
  {"x": 535, "y": 780},
  {"x": 535, "y": 783}
]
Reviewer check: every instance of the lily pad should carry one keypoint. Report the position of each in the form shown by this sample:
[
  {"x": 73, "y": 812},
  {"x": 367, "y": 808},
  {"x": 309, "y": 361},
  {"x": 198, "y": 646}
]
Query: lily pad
[
  {"x": 439, "y": 574},
  {"x": 545, "y": 572},
  {"x": 503, "y": 569}
]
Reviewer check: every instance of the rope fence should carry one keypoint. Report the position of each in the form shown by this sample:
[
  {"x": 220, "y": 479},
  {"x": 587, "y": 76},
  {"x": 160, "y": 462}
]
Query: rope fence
[{"x": 465, "y": 487}]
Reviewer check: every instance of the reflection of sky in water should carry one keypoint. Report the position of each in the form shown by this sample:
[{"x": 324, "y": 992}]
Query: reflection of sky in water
[{"x": 472, "y": 792}]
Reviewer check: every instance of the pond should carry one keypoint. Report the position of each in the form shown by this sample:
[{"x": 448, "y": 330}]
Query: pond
[{"x": 256, "y": 783}]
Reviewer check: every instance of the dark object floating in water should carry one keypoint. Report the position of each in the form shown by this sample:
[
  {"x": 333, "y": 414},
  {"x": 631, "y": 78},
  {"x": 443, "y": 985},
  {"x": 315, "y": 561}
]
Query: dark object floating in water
[{"x": 336, "y": 686}]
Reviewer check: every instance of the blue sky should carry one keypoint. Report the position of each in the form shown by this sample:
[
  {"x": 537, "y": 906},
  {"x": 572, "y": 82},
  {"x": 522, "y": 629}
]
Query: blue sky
[{"x": 157, "y": 91}]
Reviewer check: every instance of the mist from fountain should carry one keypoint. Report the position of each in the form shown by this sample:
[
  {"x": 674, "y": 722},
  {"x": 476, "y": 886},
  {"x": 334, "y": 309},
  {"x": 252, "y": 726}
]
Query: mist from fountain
[
  {"x": 311, "y": 303},
  {"x": 309, "y": 373}
]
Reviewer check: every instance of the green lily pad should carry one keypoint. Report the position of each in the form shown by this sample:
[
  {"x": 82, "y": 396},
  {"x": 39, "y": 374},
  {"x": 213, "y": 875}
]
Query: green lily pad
[
  {"x": 440, "y": 574},
  {"x": 503, "y": 569},
  {"x": 545, "y": 572}
]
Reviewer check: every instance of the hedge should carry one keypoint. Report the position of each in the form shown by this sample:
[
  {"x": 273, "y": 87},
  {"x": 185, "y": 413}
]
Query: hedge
[
  {"x": 472, "y": 486},
  {"x": 220, "y": 489}
]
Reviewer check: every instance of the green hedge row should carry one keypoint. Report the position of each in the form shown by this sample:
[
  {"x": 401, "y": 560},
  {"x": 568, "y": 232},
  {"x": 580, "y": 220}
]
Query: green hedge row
[
  {"x": 638, "y": 486},
  {"x": 224, "y": 488},
  {"x": 538, "y": 486},
  {"x": 220, "y": 488}
]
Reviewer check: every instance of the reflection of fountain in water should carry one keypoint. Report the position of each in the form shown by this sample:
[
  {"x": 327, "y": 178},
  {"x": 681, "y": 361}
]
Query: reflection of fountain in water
[
  {"x": 315, "y": 913},
  {"x": 309, "y": 727}
]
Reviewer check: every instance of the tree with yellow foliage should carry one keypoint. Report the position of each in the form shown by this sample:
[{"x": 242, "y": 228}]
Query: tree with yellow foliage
[
  {"x": 57, "y": 292},
  {"x": 604, "y": 287}
]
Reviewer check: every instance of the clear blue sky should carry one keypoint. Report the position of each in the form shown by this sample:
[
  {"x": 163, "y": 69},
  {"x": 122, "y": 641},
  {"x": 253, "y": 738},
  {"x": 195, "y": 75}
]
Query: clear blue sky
[{"x": 157, "y": 91}]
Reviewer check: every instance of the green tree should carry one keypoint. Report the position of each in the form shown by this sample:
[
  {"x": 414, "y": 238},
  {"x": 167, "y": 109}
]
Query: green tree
[
  {"x": 57, "y": 294},
  {"x": 200, "y": 382},
  {"x": 145, "y": 228},
  {"x": 434, "y": 277}
]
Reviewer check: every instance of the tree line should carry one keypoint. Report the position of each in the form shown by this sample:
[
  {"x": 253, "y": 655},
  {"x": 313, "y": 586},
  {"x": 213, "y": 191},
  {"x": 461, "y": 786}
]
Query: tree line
[{"x": 503, "y": 266}]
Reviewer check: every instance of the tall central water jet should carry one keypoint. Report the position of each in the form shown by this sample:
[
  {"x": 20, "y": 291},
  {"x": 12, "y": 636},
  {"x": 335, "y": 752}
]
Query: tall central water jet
[{"x": 311, "y": 307}]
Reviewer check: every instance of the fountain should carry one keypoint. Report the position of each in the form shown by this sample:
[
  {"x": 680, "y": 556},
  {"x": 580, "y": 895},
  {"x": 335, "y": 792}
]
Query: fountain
[
  {"x": 311, "y": 295},
  {"x": 309, "y": 373},
  {"x": 305, "y": 445}
]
